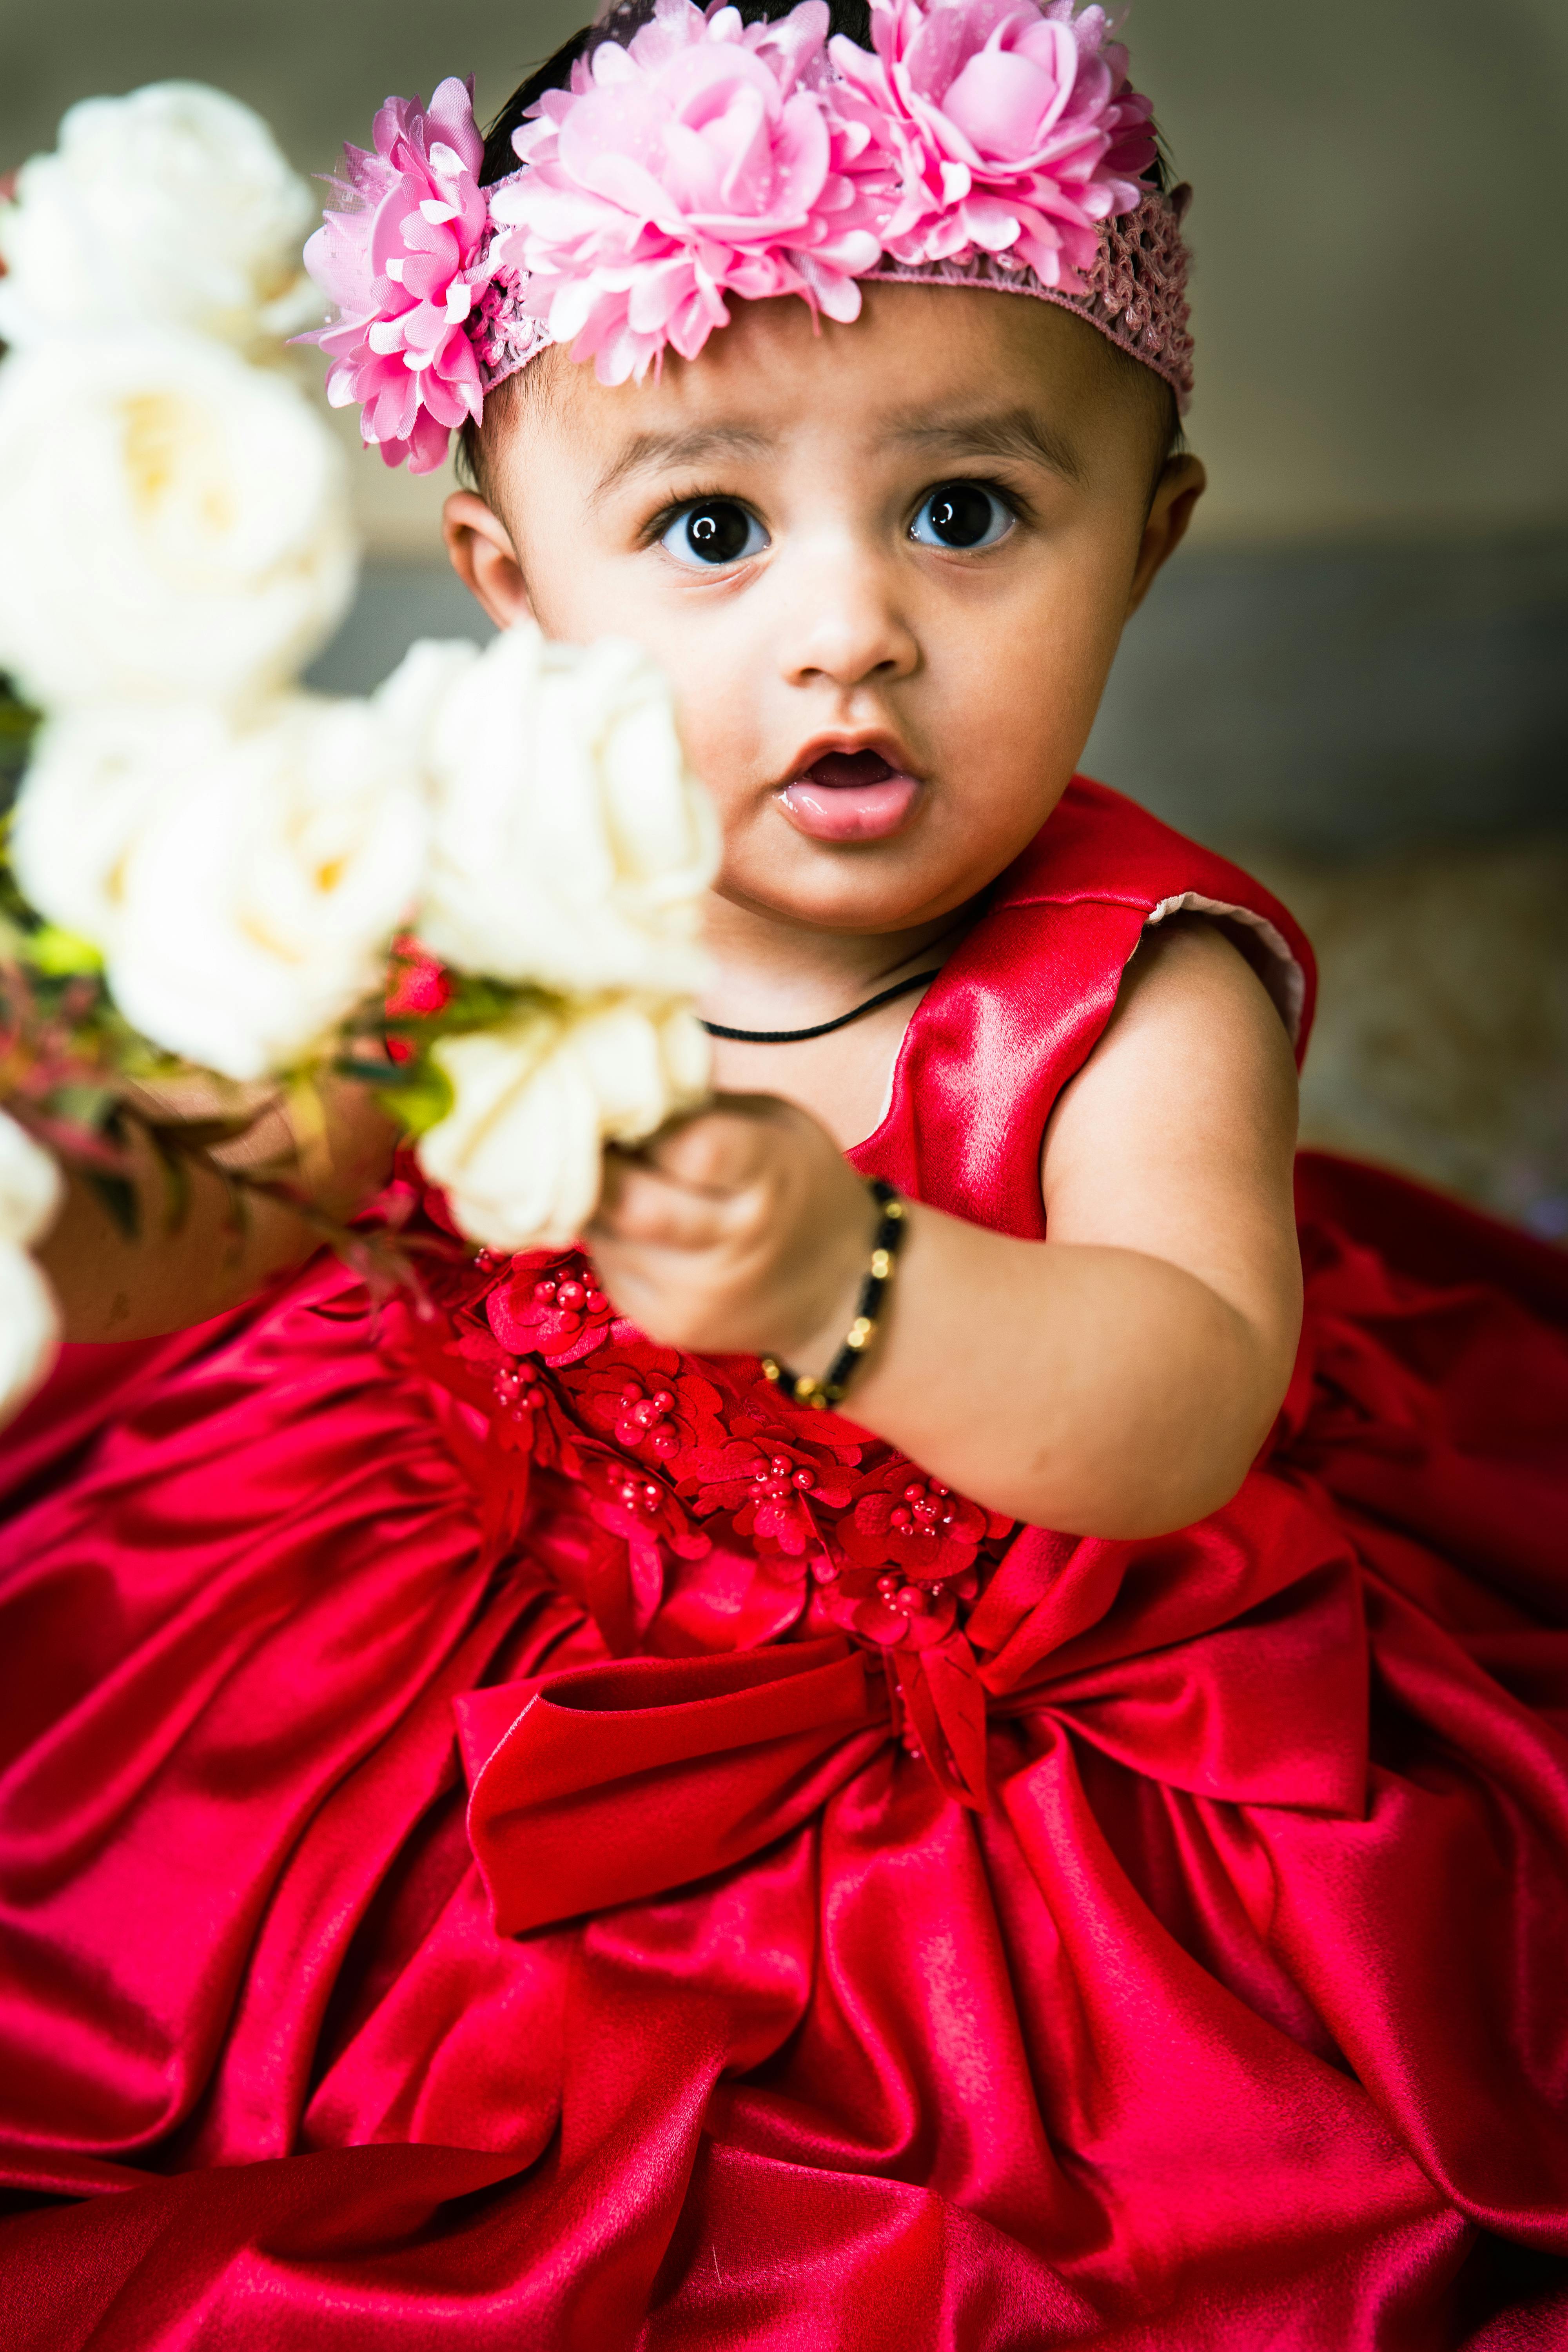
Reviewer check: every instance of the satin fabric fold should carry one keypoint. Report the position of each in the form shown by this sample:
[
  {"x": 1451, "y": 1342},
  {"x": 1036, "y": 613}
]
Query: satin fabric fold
[{"x": 615, "y": 1781}]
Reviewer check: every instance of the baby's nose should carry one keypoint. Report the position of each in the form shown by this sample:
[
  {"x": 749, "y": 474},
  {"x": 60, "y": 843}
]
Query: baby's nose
[{"x": 844, "y": 624}]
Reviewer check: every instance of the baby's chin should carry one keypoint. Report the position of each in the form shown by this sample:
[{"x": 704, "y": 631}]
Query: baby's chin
[{"x": 867, "y": 886}]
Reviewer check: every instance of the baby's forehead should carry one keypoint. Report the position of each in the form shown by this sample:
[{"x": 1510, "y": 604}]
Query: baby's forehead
[{"x": 918, "y": 363}]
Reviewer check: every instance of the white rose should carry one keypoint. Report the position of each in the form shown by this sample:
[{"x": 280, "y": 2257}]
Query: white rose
[
  {"x": 518, "y": 1154},
  {"x": 29, "y": 1328},
  {"x": 94, "y": 785},
  {"x": 573, "y": 844},
  {"x": 243, "y": 883},
  {"x": 213, "y": 553},
  {"x": 30, "y": 1186},
  {"x": 30, "y": 1190},
  {"x": 172, "y": 207},
  {"x": 418, "y": 689}
]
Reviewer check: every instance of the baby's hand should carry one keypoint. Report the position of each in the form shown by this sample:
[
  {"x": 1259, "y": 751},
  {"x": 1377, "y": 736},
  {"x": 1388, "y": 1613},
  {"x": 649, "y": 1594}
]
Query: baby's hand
[{"x": 739, "y": 1231}]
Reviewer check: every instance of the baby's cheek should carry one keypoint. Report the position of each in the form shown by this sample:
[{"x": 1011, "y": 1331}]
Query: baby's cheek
[{"x": 723, "y": 740}]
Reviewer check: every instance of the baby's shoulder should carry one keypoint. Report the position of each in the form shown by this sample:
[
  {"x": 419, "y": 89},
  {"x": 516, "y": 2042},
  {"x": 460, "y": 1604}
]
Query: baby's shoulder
[
  {"x": 1199, "y": 983},
  {"x": 1104, "y": 873},
  {"x": 1193, "y": 1072},
  {"x": 1111, "y": 945}
]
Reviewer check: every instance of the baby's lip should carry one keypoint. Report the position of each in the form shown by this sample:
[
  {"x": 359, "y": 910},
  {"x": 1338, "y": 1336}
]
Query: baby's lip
[
  {"x": 851, "y": 744},
  {"x": 845, "y": 791}
]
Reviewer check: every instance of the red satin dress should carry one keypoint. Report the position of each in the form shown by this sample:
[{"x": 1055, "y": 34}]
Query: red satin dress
[{"x": 512, "y": 1837}]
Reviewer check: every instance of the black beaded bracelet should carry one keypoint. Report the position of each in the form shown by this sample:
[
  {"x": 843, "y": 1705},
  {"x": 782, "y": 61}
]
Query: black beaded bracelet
[{"x": 833, "y": 1385}]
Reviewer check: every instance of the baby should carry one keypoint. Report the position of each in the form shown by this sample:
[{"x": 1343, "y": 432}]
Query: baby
[
  {"x": 887, "y": 565},
  {"x": 854, "y": 1910}
]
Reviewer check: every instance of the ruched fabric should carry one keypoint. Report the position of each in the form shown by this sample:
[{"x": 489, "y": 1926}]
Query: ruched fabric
[{"x": 490, "y": 1858}]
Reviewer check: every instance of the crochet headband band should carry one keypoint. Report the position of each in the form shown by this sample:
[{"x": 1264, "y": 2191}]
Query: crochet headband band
[{"x": 981, "y": 142}]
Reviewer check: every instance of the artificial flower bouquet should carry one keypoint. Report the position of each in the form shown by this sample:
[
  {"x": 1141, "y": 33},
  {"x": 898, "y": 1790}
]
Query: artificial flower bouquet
[{"x": 475, "y": 891}]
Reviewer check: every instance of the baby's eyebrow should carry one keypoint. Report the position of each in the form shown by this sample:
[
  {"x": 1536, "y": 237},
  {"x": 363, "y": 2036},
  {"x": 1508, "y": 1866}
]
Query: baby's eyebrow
[
  {"x": 646, "y": 452},
  {"x": 1008, "y": 433}
]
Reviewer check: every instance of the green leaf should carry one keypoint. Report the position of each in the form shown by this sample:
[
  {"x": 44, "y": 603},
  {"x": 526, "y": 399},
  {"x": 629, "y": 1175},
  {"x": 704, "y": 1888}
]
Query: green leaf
[
  {"x": 119, "y": 1198},
  {"x": 17, "y": 726},
  {"x": 420, "y": 1100},
  {"x": 60, "y": 954},
  {"x": 176, "y": 1184},
  {"x": 390, "y": 1074},
  {"x": 89, "y": 1105}
]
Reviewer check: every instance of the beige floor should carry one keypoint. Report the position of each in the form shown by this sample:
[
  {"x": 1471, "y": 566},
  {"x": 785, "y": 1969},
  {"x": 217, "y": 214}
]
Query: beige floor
[{"x": 1442, "y": 1037}]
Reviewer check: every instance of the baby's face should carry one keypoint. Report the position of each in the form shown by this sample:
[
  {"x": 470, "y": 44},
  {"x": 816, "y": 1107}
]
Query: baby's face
[{"x": 886, "y": 566}]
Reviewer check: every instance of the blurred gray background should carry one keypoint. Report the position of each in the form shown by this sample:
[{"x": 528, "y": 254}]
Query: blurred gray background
[{"x": 1357, "y": 672}]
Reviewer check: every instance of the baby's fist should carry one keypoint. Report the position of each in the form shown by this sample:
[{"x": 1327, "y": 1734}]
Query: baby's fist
[{"x": 739, "y": 1231}]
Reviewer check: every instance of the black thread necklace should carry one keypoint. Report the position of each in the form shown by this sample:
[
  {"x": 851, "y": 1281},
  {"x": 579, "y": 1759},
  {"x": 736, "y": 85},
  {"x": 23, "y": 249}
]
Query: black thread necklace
[{"x": 823, "y": 1028}]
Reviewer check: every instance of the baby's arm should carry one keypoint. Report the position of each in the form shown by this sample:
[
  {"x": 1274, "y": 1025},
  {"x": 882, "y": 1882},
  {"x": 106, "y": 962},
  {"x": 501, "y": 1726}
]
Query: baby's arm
[
  {"x": 1117, "y": 1379},
  {"x": 171, "y": 1273}
]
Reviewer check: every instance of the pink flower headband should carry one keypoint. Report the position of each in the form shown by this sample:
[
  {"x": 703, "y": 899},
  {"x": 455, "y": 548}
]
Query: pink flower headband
[{"x": 991, "y": 143}]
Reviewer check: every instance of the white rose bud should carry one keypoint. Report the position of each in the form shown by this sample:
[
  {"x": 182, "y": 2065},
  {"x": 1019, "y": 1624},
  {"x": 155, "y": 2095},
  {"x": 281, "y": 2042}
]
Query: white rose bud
[
  {"x": 219, "y": 554},
  {"x": 30, "y": 1186},
  {"x": 29, "y": 1328},
  {"x": 243, "y": 883},
  {"x": 172, "y": 207},
  {"x": 518, "y": 1154},
  {"x": 573, "y": 844},
  {"x": 30, "y": 1190}
]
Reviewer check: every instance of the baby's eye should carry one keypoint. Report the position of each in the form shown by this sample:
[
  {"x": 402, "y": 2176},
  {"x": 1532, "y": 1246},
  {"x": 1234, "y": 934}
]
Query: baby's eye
[
  {"x": 961, "y": 514},
  {"x": 714, "y": 531}
]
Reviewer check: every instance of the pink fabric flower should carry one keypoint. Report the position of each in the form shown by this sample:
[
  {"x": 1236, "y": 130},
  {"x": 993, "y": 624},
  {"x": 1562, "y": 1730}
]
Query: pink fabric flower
[
  {"x": 698, "y": 161},
  {"x": 405, "y": 263},
  {"x": 1012, "y": 127},
  {"x": 708, "y": 158}
]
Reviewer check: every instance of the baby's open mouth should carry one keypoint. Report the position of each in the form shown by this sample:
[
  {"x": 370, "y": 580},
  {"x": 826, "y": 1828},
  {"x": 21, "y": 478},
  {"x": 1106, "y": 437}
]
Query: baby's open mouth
[{"x": 849, "y": 796}]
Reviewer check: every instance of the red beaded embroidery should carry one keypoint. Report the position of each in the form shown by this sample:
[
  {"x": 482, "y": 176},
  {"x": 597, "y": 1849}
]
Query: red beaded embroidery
[{"x": 719, "y": 1509}]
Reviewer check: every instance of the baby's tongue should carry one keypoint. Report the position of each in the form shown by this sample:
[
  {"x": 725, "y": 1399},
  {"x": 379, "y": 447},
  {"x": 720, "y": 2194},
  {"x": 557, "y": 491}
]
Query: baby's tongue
[
  {"x": 849, "y": 796},
  {"x": 841, "y": 768}
]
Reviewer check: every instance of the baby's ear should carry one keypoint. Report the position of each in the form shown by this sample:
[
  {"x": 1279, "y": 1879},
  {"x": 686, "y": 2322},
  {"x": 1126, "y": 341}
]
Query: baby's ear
[
  {"x": 1181, "y": 485},
  {"x": 484, "y": 559}
]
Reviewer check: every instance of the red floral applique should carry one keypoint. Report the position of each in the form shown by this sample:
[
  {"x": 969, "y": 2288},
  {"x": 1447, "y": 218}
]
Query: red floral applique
[
  {"x": 904, "y": 1520},
  {"x": 769, "y": 1484},
  {"x": 651, "y": 1401},
  {"x": 638, "y": 1518},
  {"x": 551, "y": 1308},
  {"x": 890, "y": 1612}
]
